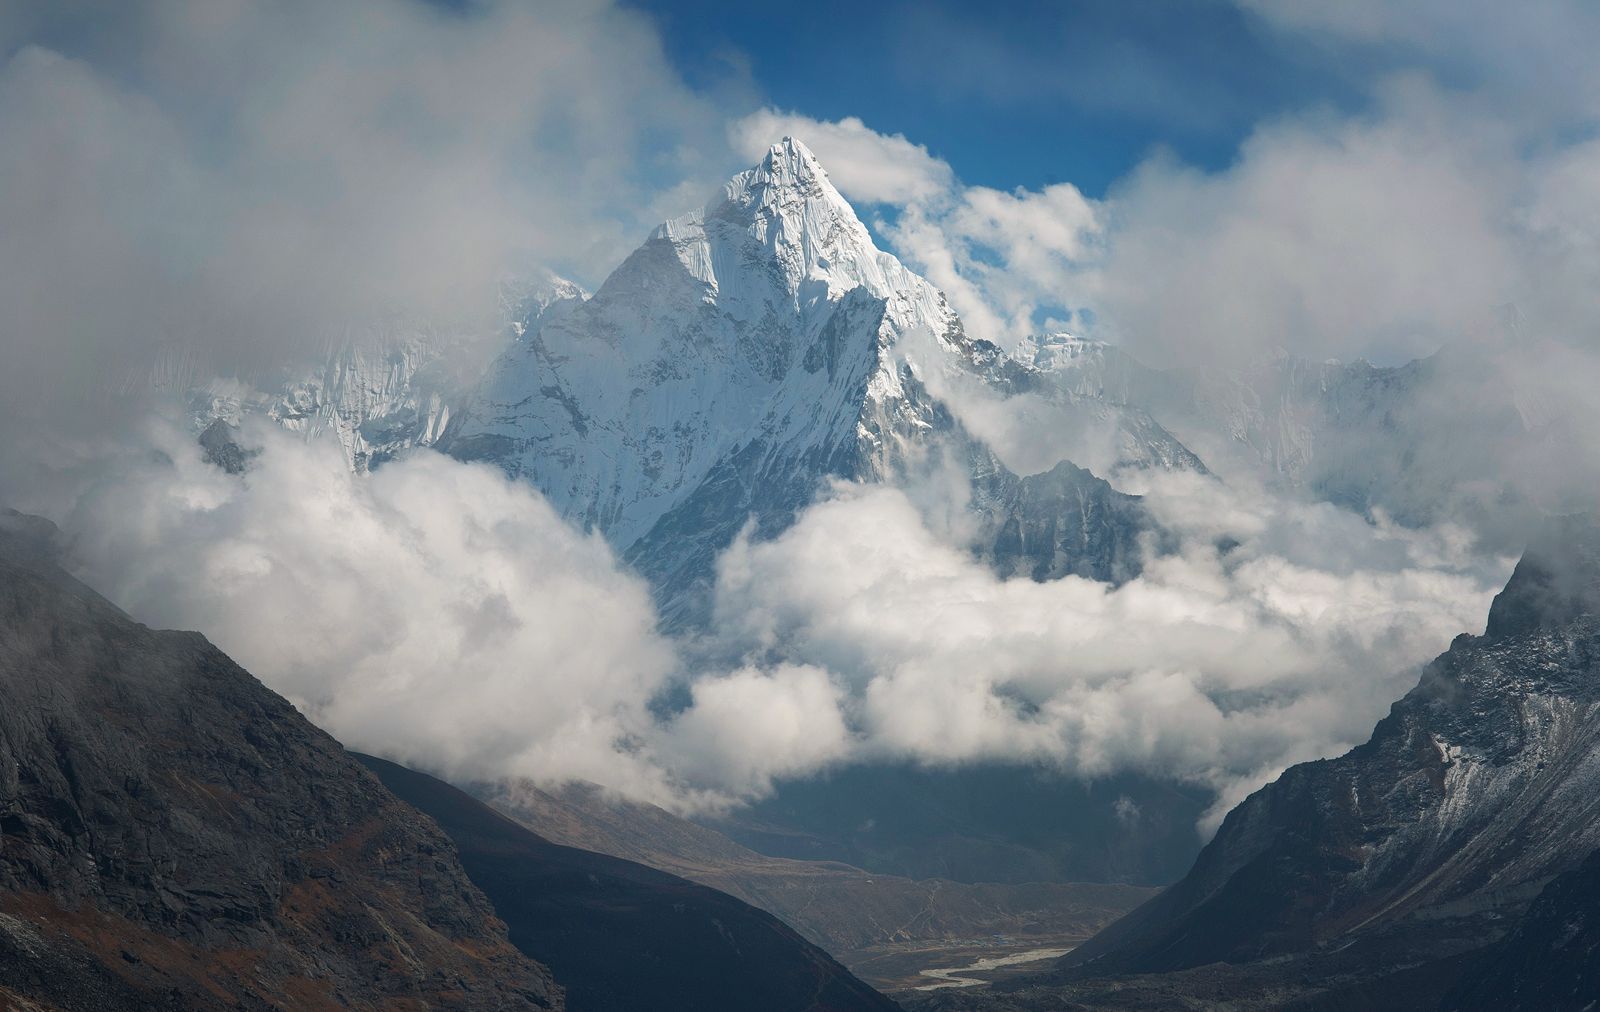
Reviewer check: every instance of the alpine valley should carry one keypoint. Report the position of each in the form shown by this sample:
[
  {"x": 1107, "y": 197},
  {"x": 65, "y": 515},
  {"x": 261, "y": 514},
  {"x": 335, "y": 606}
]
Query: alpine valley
[{"x": 736, "y": 369}]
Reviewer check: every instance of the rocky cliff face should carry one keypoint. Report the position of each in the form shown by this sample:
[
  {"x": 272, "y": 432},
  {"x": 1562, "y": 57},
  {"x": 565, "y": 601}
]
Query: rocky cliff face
[
  {"x": 1477, "y": 789},
  {"x": 1444, "y": 863},
  {"x": 175, "y": 835}
]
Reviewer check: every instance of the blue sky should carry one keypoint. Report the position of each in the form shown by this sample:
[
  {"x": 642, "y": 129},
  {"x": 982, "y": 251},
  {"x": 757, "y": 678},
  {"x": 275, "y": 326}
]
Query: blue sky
[{"x": 1020, "y": 93}]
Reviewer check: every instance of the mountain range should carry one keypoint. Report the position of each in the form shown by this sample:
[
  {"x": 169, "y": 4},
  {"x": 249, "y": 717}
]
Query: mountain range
[
  {"x": 751, "y": 353},
  {"x": 743, "y": 357}
]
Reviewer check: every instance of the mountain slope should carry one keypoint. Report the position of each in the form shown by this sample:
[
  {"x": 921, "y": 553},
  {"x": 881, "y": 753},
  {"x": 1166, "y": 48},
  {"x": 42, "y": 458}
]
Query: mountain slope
[
  {"x": 1550, "y": 959},
  {"x": 622, "y": 936},
  {"x": 1444, "y": 863},
  {"x": 175, "y": 835},
  {"x": 1479, "y": 786}
]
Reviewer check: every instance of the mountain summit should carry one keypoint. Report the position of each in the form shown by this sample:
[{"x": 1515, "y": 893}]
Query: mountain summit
[
  {"x": 811, "y": 234},
  {"x": 740, "y": 358},
  {"x": 758, "y": 325}
]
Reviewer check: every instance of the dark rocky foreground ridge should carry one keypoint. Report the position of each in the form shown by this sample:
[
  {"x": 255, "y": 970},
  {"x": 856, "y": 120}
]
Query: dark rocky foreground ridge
[
  {"x": 1441, "y": 864},
  {"x": 175, "y": 835}
]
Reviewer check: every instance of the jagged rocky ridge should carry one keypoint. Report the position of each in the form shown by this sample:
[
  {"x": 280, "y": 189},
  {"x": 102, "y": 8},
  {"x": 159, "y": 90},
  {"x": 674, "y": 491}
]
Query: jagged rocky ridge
[
  {"x": 378, "y": 395},
  {"x": 380, "y": 391},
  {"x": 1395, "y": 860},
  {"x": 175, "y": 835}
]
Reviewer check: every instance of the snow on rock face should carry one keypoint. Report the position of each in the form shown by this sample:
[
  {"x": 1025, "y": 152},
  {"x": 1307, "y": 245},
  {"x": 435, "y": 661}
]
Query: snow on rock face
[
  {"x": 740, "y": 358},
  {"x": 766, "y": 318},
  {"x": 375, "y": 400},
  {"x": 373, "y": 395}
]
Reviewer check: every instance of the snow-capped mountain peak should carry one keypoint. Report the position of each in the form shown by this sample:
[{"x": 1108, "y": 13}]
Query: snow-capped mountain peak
[
  {"x": 782, "y": 228},
  {"x": 740, "y": 359},
  {"x": 767, "y": 318},
  {"x": 807, "y": 228}
]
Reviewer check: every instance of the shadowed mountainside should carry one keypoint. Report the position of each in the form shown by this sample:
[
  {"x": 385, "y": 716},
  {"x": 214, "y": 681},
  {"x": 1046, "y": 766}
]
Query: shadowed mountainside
[
  {"x": 1414, "y": 867},
  {"x": 621, "y": 936},
  {"x": 175, "y": 835}
]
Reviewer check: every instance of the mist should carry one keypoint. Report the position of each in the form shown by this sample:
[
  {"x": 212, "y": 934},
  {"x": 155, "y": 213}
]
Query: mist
[{"x": 224, "y": 188}]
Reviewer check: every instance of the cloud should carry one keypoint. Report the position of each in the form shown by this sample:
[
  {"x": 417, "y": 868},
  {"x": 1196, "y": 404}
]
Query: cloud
[
  {"x": 1382, "y": 238},
  {"x": 1009, "y": 262},
  {"x": 744, "y": 729},
  {"x": 1529, "y": 60},
  {"x": 1218, "y": 665},
  {"x": 433, "y": 611},
  {"x": 238, "y": 180},
  {"x": 1435, "y": 224},
  {"x": 440, "y": 614},
  {"x": 1388, "y": 234},
  {"x": 1413, "y": 225},
  {"x": 245, "y": 180},
  {"x": 865, "y": 165},
  {"x": 1005, "y": 259}
]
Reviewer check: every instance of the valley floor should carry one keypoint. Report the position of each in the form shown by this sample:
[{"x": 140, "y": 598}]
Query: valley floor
[{"x": 927, "y": 965}]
